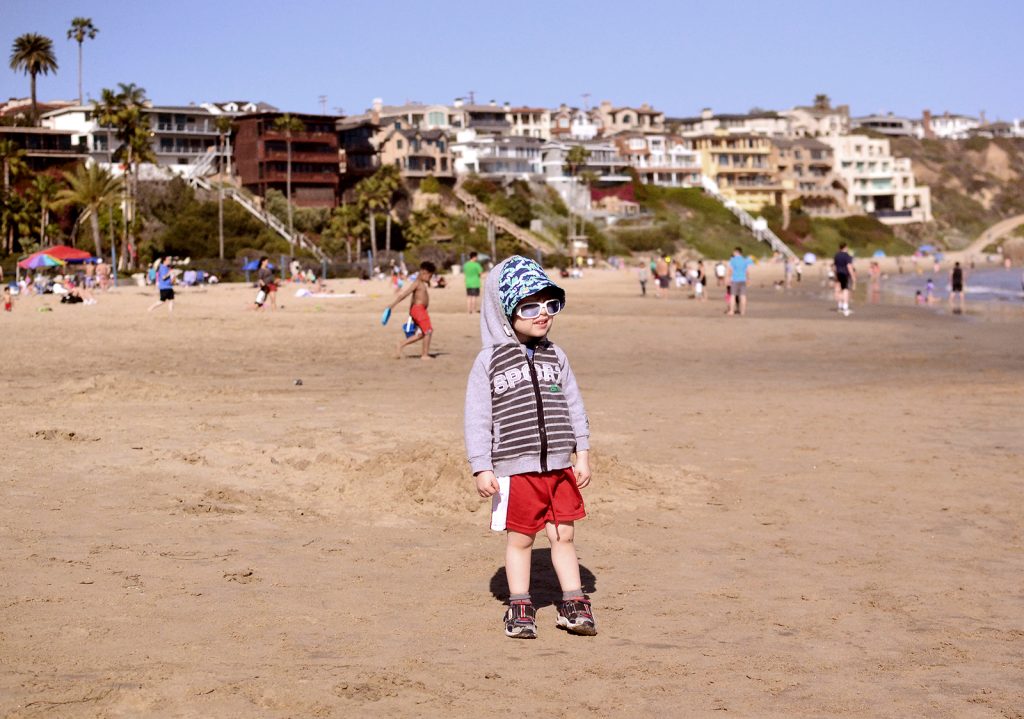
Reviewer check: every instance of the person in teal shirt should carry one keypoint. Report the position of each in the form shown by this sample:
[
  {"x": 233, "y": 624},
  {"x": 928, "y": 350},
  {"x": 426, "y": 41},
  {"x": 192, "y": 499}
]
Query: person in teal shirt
[
  {"x": 472, "y": 270},
  {"x": 738, "y": 265}
]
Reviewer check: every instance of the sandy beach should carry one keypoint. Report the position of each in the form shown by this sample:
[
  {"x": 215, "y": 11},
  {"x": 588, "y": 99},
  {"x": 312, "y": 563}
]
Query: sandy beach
[{"x": 793, "y": 514}]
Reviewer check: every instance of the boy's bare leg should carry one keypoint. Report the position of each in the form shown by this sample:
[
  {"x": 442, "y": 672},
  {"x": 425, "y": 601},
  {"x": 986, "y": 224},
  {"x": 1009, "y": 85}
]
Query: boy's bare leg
[
  {"x": 403, "y": 343},
  {"x": 518, "y": 552},
  {"x": 426, "y": 346},
  {"x": 563, "y": 555}
]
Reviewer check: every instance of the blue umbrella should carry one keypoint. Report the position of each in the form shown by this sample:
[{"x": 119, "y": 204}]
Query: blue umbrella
[
  {"x": 927, "y": 248},
  {"x": 255, "y": 265},
  {"x": 879, "y": 253}
]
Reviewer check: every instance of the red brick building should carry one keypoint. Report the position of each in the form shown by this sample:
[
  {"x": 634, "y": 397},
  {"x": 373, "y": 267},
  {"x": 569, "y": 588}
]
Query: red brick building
[{"x": 261, "y": 157}]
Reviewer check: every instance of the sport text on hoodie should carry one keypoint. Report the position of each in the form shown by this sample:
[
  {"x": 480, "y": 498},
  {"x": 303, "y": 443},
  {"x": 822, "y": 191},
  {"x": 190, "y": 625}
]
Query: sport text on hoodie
[{"x": 523, "y": 415}]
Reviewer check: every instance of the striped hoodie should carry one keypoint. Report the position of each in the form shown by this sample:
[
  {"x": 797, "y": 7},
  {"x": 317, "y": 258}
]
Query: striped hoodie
[{"x": 522, "y": 415}]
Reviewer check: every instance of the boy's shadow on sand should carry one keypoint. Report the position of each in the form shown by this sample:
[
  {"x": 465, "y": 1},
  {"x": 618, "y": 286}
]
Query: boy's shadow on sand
[{"x": 544, "y": 589}]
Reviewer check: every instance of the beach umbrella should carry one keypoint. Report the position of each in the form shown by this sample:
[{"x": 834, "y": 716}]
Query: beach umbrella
[
  {"x": 810, "y": 258},
  {"x": 879, "y": 253},
  {"x": 67, "y": 254},
  {"x": 253, "y": 265},
  {"x": 927, "y": 248},
  {"x": 39, "y": 259}
]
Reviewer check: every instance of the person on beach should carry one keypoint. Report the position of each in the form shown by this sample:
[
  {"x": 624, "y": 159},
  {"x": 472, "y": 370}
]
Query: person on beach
[
  {"x": 266, "y": 284},
  {"x": 845, "y": 278},
  {"x": 524, "y": 420},
  {"x": 165, "y": 285},
  {"x": 662, "y": 270},
  {"x": 472, "y": 271},
  {"x": 956, "y": 288},
  {"x": 929, "y": 291},
  {"x": 8, "y": 301},
  {"x": 738, "y": 267},
  {"x": 719, "y": 273},
  {"x": 700, "y": 282},
  {"x": 643, "y": 274},
  {"x": 419, "y": 289}
]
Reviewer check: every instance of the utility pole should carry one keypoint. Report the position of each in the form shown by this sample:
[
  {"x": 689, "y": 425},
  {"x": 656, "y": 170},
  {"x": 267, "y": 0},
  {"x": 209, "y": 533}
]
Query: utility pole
[
  {"x": 586, "y": 101},
  {"x": 472, "y": 97},
  {"x": 323, "y": 104}
]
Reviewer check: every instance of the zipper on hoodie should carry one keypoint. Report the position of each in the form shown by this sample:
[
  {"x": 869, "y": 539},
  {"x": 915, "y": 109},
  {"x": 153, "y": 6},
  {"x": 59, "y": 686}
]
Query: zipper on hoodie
[{"x": 540, "y": 417}]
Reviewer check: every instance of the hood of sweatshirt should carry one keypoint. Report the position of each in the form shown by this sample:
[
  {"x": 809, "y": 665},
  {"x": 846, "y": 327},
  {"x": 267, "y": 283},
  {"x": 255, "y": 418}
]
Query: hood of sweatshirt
[{"x": 509, "y": 282}]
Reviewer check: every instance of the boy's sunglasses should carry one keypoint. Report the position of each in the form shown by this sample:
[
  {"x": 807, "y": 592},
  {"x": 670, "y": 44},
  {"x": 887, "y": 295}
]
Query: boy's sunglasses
[{"x": 531, "y": 310}]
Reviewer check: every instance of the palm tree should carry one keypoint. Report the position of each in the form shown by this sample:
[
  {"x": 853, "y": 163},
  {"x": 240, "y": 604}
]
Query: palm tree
[
  {"x": 223, "y": 125},
  {"x": 33, "y": 54},
  {"x": 347, "y": 223},
  {"x": 288, "y": 125},
  {"x": 44, "y": 191},
  {"x": 12, "y": 159},
  {"x": 389, "y": 180},
  {"x": 122, "y": 111},
  {"x": 91, "y": 188},
  {"x": 373, "y": 197},
  {"x": 574, "y": 159},
  {"x": 81, "y": 28}
]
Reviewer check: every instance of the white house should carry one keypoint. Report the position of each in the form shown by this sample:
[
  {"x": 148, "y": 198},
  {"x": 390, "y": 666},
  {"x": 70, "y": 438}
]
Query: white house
[{"x": 882, "y": 185}]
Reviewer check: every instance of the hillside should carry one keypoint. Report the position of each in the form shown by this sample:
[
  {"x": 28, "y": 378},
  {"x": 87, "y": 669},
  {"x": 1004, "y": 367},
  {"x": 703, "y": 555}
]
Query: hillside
[{"x": 974, "y": 183}]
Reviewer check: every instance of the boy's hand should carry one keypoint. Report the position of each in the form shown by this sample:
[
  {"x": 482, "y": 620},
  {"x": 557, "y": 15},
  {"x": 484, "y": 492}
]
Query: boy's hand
[
  {"x": 486, "y": 483},
  {"x": 582, "y": 469}
]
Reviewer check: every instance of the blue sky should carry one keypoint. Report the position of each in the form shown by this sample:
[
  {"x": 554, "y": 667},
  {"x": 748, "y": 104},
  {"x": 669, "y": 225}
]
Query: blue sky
[{"x": 680, "y": 56}]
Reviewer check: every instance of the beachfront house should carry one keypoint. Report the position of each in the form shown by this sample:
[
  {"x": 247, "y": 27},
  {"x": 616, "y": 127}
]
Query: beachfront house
[
  {"x": 664, "y": 160},
  {"x": 742, "y": 166},
  {"x": 880, "y": 184},
  {"x": 261, "y": 157}
]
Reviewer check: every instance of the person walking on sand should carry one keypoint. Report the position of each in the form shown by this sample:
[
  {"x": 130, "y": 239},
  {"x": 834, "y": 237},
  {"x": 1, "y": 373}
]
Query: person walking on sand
[
  {"x": 472, "y": 271},
  {"x": 956, "y": 288},
  {"x": 524, "y": 420},
  {"x": 738, "y": 269},
  {"x": 662, "y": 270},
  {"x": 700, "y": 283},
  {"x": 266, "y": 284},
  {"x": 165, "y": 284},
  {"x": 418, "y": 310},
  {"x": 719, "y": 273},
  {"x": 845, "y": 278},
  {"x": 643, "y": 274}
]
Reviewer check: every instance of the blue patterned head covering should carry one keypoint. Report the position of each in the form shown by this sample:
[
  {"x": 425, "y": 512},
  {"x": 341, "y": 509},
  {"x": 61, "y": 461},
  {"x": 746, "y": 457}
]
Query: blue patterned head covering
[{"x": 521, "y": 277}]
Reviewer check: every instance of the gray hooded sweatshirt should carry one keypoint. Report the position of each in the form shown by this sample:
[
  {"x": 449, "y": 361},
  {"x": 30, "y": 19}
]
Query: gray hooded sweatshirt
[{"x": 522, "y": 416}]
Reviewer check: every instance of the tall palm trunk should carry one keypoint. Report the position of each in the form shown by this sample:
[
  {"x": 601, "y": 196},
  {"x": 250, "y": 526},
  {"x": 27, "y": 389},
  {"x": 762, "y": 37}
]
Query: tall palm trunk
[
  {"x": 220, "y": 195},
  {"x": 288, "y": 178},
  {"x": 35, "y": 106},
  {"x": 43, "y": 217},
  {"x": 94, "y": 223},
  {"x": 373, "y": 238},
  {"x": 387, "y": 232},
  {"x": 348, "y": 250},
  {"x": 80, "y": 72}
]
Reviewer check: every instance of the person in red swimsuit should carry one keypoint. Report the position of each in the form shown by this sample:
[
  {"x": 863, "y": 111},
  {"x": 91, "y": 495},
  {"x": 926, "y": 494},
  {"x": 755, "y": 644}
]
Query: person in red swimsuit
[{"x": 418, "y": 310}]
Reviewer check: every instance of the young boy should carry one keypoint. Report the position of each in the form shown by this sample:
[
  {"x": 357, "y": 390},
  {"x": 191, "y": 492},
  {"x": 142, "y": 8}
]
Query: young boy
[
  {"x": 524, "y": 420},
  {"x": 418, "y": 310}
]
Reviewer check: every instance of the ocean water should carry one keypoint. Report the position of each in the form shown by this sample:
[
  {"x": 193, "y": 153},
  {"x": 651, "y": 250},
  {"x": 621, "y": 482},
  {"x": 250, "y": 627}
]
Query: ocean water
[{"x": 986, "y": 285}]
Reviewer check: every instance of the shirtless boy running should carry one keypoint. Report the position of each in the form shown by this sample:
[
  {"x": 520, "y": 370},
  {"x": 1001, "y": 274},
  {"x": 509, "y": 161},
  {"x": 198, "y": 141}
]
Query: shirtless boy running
[{"x": 418, "y": 310}]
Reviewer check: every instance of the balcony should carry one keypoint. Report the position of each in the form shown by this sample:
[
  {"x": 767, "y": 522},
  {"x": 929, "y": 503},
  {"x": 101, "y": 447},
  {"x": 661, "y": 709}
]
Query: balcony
[
  {"x": 496, "y": 126},
  {"x": 272, "y": 134},
  {"x": 282, "y": 156},
  {"x": 184, "y": 128},
  {"x": 308, "y": 178}
]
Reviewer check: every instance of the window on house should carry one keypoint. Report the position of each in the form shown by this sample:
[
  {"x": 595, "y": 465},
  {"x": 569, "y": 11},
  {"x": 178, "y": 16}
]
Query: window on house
[
  {"x": 399, "y": 144},
  {"x": 436, "y": 118}
]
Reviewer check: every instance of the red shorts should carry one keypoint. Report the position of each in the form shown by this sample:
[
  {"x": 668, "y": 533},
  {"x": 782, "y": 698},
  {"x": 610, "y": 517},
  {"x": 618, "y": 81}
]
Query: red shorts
[
  {"x": 538, "y": 498},
  {"x": 421, "y": 318}
]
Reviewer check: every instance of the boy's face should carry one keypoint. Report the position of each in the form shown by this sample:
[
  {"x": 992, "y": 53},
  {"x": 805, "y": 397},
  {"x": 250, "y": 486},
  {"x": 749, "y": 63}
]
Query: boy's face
[
  {"x": 539, "y": 326},
  {"x": 425, "y": 275}
]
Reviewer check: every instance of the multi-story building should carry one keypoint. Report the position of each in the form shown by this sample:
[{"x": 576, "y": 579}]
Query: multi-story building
[
  {"x": 572, "y": 123},
  {"x": 530, "y": 122},
  {"x": 742, "y": 166},
  {"x": 261, "y": 157},
  {"x": 489, "y": 119},
  {"x": 666, "y": 160},
  {"x": 45, "y": 148},
  {"x": 603, "y": 160},
  {"x": 626, "y": 119},
  {"x": 948, "y": 126},
  {"x": 758, "y": 122},
  {"x": 806, "y": 169},
  {"x": 505, "y": 158},
  {"x": 413, "y": 114},
  {"x": 359, "y": 157},
  {"x": 180, "y": 135},
  {"x": 877, "y": 182},
  {"x": 416, "y": 153},
  {"x": 889, "y": 124},
  {"x": 818, "y": 120}
]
